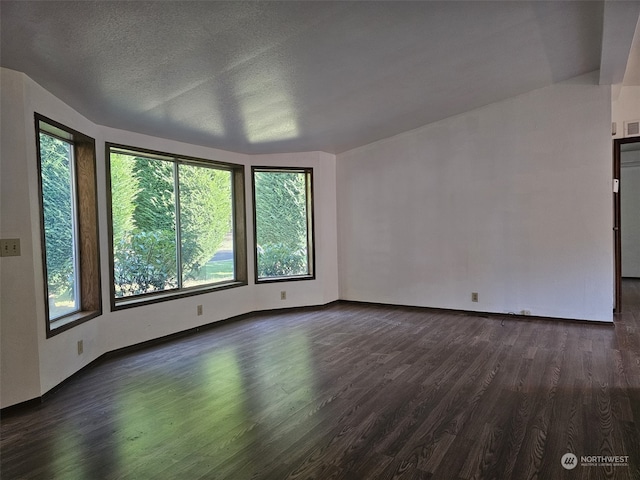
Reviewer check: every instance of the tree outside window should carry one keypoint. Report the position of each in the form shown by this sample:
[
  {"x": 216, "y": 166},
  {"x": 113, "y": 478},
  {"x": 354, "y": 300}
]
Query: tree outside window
[
  {"x": 172, "y": 224},
  {"x": 283, "y": 223}
]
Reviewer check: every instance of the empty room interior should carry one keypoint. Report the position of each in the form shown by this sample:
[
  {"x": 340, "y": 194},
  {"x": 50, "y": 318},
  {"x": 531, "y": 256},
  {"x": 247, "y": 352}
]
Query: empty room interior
[{"x": 318, "y": 239}]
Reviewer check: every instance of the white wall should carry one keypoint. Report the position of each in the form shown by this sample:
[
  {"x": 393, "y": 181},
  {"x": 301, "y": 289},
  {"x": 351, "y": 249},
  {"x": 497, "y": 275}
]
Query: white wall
[
  {"x": 630, "y": 214},
  {"x": 625, "y": 107},
  {"x": 19, "y": 356},
  {"x": 512, "y": 201},
  {"x": 33, "y": 364}
]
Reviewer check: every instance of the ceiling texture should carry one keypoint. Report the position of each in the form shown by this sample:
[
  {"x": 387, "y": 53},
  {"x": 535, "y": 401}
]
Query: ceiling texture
[{"x": 267, "y": 77}]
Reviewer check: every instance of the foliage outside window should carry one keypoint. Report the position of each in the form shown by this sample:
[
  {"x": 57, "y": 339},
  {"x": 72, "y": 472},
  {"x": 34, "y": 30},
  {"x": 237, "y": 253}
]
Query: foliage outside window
[
  {"x": 174, "y": 223},
  {"x": 60, "y": 221},
  {"x": 66, "y": 166},
  {"x": 283, "y": 223}
]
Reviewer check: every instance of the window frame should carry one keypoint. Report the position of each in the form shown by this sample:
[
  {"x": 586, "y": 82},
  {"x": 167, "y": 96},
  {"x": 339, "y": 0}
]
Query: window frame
[
  {"x": 238, "y": 219},
  {"x": 311, "y": 254},
  {"x": 85, "y": 208}
]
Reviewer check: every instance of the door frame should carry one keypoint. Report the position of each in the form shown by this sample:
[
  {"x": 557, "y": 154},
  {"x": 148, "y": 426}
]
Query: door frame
[{"x": 617, "y": 236}]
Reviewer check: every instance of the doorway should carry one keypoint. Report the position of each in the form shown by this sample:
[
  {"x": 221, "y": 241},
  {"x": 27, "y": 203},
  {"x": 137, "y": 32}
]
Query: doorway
[{"x": 626, "y": 201}]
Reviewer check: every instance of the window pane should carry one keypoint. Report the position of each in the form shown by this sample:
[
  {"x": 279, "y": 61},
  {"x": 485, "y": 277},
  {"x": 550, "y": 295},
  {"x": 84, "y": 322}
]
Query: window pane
[
  {"x": 281, "y": 223},
  {"x": 206, "y": 225},
  {"x": 176, "y": 225},
  {"x": 56, "y": 158},
  {"x": 144, "y": 225}
]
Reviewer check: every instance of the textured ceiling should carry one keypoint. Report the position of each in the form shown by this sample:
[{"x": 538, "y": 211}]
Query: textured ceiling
[{"x": 263, "y": 77}]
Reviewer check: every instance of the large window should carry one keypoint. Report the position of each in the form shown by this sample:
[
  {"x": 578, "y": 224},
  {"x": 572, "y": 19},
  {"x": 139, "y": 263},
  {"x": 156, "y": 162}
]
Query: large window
[
  {"x": 283, "y": 220},
  {"x": 177, "y": 225},
  {"x": 66, "y": 166}
]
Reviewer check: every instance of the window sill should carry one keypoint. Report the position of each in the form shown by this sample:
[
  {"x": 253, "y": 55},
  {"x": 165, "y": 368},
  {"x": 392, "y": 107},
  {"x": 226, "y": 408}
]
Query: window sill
[
  {"x": 292, "y": 278},
  {"x": 65, "y": 323},
  {"x": 150, "y": 298}
]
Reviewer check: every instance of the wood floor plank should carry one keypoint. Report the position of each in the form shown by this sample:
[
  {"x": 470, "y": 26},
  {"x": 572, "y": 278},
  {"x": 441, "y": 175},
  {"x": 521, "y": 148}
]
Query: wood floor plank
[{"x": 351, "y": 391}]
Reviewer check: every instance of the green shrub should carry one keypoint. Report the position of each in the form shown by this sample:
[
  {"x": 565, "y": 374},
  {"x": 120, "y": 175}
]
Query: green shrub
[
  {"x": 275, "y": 260},
  {"x": 145, "y": 262}
]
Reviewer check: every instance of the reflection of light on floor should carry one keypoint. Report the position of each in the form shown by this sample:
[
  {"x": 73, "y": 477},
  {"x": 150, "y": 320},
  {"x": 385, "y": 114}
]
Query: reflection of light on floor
[
  {"x": 227, "y": 422},
  {"x": 225, "y": 392},
  {"x": 287, "y": 382},
  {"x": 146, "y": 422},
  {"x": 67, "y": 456}
]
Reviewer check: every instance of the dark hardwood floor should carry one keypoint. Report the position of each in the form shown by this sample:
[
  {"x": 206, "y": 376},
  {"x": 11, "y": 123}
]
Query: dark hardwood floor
[{"x": 352, "y": 392}]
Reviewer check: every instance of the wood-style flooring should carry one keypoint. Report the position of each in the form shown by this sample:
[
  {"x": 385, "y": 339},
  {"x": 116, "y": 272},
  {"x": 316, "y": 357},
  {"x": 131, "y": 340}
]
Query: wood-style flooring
[{"x": 348, "y": 392}]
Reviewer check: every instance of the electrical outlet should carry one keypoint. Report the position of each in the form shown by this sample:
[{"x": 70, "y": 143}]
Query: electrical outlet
[
  {"x": 199, "y": 309},
  {"x": 80, "y": 347},
  {"x": 474, "y": 296},
  {"x": 283, "y": 295},
  {"x": 10, "y": 247}
]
